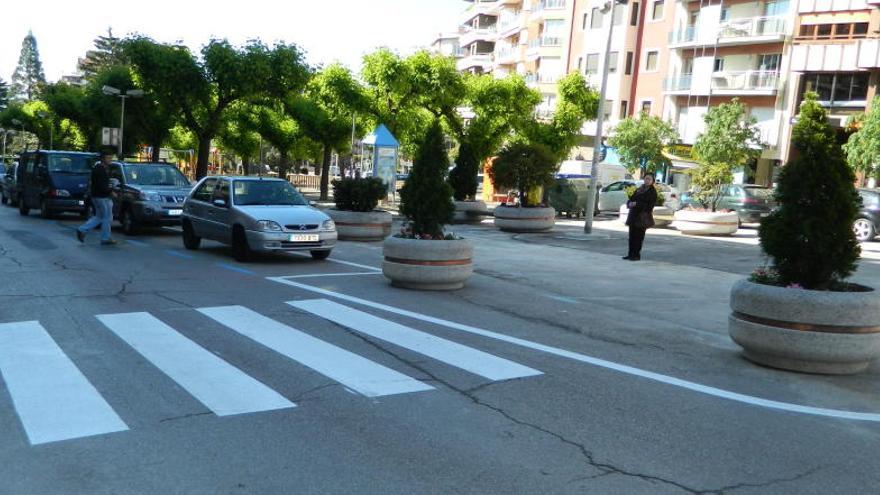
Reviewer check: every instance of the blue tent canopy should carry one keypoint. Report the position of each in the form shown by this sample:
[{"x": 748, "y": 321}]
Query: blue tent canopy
[{"x": 381, "y": 137}]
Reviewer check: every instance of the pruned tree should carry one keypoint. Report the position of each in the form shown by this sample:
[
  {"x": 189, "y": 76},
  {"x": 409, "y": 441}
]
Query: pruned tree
[
  {"x": 640, "y": 142},
  {"x": 863, "y": 147},
  {"x": 578, "y": 102},
  {"x": 201, "y": 89},
  {"x": 28, "y": 78}
]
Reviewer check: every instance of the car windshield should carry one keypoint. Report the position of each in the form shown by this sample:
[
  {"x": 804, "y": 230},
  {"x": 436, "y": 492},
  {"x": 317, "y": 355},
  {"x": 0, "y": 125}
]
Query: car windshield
[
  {"x": 71, "y": 164},
  {"x": 266, "y": 192},
  {"x": 154, "y": 175},
  {"x": 760, "y": 192}
]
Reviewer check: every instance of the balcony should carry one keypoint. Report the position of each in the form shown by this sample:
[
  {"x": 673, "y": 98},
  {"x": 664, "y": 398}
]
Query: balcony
[
  {"x": 544, "y": 46},
  {"x": 507, "y": 55},
  {"x": 482, "y": 61},
  {"x": 478, "y": 8},
  {"x": 747, "y": 82},
  {"x": 554, "y": 9},
  {"x": 748, "y": 30},
  {"x": 679, "y": 84},
  {"x": 510, "y": 23},
  {"x": 533, "y": 79},
  {"x": 470, "y": 35}
]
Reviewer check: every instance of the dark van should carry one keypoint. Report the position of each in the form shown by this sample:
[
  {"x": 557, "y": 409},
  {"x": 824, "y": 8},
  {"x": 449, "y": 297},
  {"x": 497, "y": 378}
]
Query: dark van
[{"x": 54, "y": 181}]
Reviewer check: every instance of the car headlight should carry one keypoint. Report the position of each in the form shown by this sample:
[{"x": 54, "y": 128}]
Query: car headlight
[
  {"x": 150, "y": 196},
  {"x": 328, "y": 225},
  {"x": 61, "y": 193},
  {"x": 268, "y": 225}
]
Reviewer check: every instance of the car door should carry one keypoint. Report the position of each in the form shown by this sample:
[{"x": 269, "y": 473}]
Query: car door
[
  {"x": 219, "y": 214},
  {"x": 116, "y": 173},
  {"x": 26, "y": 181},
  {"x": 608, "y": 196},
  {"x": 196, "y": 208}
]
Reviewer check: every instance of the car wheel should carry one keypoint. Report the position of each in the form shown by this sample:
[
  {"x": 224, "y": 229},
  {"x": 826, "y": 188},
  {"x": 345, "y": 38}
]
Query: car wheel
[
  {"x": 23, "y": 210},
  {"x": 13, "y": 201},
  {"x": 190, "y": 240},
  {"x": 3, "y": 199},
  {"x": 45, "y": 212},
  {"x": 240, "y": 249},
  {"x": 129, "y": 224},
  {"x": 320, "y": 255},
  {"x": 864, "y": 229}
]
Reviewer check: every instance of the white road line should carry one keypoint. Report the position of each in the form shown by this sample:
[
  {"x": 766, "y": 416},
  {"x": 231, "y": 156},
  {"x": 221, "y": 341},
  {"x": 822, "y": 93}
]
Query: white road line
[
  {"x": 622, "y": 368},
  {"x": 452, "y": 353},
  {"x": 52, "y": 397},
  {"x": 341, "y": 262},
  {"x": 319, "y": 275},
  {"x": 349, "y": 369},
  {"x": 221, "y": 387}
]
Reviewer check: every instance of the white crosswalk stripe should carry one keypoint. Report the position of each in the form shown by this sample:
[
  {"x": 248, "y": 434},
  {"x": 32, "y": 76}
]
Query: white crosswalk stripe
[
  {"x": 52, "y": 397},
  {"x": 349, "y": 369},
  {"x": 452, "y": 353},
  {"x": 221, "y": 387}
]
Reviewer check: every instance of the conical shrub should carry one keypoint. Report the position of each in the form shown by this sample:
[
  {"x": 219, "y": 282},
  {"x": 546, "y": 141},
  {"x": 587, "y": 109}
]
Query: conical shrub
[{"x": 426, "y": 198}]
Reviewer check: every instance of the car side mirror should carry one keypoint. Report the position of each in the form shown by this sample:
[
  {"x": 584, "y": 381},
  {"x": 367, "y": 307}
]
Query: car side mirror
[{"x": 221, "y": 203}]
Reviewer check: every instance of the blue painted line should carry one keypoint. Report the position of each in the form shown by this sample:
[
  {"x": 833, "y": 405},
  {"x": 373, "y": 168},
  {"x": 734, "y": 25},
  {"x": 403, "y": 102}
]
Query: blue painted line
[
  {"x": 177, "y": 254},
  {"x": 137, "y": 243},
  {"x": 236, "y": 269},
  {"x": 59, "y": 224}
]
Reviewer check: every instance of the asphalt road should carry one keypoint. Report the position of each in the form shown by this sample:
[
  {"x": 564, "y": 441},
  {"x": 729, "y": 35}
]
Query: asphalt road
[{"x": 145, "y": 368}]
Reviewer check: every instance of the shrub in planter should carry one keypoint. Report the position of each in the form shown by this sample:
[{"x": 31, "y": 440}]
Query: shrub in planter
[
  {"x": 800, "y": 314},
  {"x": 355, "y": 215},
  {"x": 463, "y": 179},
  {"x": 423, "y": 256},
  {"x": 526, "y": 167}
]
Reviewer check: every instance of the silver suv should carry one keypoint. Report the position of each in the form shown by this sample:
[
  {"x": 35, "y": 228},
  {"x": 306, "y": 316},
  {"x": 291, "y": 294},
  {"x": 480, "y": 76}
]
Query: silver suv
[{"x": 148, "y": 194}]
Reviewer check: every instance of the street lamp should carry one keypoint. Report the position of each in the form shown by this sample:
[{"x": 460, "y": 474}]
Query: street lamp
[
  {"x": 131, "y": 93},
  {"x": 600, "y": 119},
  {"x": 43, "y": 115},
  {"x": 5, "y": 132}
]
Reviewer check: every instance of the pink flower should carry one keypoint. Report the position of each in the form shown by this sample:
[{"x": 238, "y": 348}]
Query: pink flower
[{"x": 794, "y": 286}]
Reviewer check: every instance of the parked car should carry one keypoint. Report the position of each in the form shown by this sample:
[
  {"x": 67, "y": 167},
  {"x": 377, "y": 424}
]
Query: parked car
[
  {"x": 613, "y": 196},
  {"x": 54, "y": 181},
  {"x": 255, "y": 214},
  {"x": 867, "y": 223},
  {"x": 148, "y": 194},
  {"x": 750, "y": 202},
  {"x": 8, "y": 190}
]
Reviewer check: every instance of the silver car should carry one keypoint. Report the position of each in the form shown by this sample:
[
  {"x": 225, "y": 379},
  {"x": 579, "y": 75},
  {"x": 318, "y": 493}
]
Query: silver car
[
  {"x": 255, "y": 214},
  {"x": 613, "y": 196}
]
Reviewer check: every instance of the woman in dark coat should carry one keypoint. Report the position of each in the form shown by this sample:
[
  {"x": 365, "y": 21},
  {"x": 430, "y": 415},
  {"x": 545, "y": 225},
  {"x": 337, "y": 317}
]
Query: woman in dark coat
[{"x": 640, "y": 217}]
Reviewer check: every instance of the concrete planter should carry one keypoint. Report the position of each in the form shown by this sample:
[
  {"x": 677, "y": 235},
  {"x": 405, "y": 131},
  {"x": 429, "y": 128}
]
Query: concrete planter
[
  {"x": 469, "y": 211},
  {"x": 805, "y": 330},
  {"x": 427, "y": 265},
  {"x": 517, "y": 219},
  {"x": 692, "y": 222},
  {"x": 663, "y": 215},
  {"x": 361, "y": 225}
]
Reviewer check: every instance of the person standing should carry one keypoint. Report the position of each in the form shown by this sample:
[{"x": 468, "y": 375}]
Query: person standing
[
  {"x": 641, "y": 216},
  {"x": 102, "y": 200}
]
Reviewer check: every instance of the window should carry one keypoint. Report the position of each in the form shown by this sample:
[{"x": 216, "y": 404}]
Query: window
[
  {"x": 618, "y": 14},
  {"x": 623, "y": 109},
  {"x": 646, "y": 106},
  {"x": 629, "y": 64},
  {"x": 612, "y": 62},
  {"x": 596, "y": 19},
  {"x": 837, "y": 89},
  {"x": 837, "y": 31},
  {"x": 769, "y": 62},
  {"x": 651, "y": 60},
  {"x": 205, "y": 191},
  {"x": 580, "y": 64},
  {"x": 657, "y": 10},
  {"x": 222, "y": 191},
  {"x": 775, "y": 8},
  {"x": 606, "y": 110},
  {"x": 634, "y": 14},
  {"x": 725, "y": 14},
  {"x": 718, "y": 65},
  {"x": 116, "y": 173},
  {"x": 592, "y": 64},
  {"x": 584, "y": 25}
]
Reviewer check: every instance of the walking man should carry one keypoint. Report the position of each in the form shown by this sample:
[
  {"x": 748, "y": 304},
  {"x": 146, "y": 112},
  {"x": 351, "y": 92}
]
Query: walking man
[{"x": 102, "y": 200}]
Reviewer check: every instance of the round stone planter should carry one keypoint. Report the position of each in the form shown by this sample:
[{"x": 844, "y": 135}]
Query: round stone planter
[
  {"x": 517, "y": 219},
  {"x": 805, "y": 330},
  {"x": 427, "y": 265},
  {"x": 662, "y": 215},
  {"x": 361, "y": 225},
  {"x": 469, "y": 211},
  {"x": 692, "y": 222}
]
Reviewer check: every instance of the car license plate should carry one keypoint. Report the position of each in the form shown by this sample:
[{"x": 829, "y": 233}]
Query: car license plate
[
  {"x": 82, "y": 203},
  {"x": 175, "y": 213},
  {"x": 765, "y": 214},
  {"x": 304, "y": 237}
]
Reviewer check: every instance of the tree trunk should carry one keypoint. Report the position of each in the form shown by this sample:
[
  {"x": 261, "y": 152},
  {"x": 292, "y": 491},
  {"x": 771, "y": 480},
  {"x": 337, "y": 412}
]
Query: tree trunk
[
  {"x": 325, "y": 172},
  {"x": 156, "y": 148},
  {"x": 202, "y": 160},
  {"x": 283, "y": 163},
  {"x": 246, "y": 165}
]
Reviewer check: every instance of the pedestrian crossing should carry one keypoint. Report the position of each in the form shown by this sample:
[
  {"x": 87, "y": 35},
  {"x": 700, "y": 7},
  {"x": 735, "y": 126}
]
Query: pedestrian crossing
[{"x": 55, "y": 401}]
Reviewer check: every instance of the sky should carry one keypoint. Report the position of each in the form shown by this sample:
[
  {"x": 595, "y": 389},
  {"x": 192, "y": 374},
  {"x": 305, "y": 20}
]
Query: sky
[{"x": 329, "y": 30}]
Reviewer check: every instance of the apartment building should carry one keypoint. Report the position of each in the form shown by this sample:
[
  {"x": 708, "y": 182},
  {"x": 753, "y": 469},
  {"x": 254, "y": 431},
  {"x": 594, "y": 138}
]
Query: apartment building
[{"x": 677, "y": 58}]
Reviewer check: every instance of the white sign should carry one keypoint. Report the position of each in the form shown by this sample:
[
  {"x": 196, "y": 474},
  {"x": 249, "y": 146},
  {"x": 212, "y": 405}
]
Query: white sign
[{"x": 110, "y": 136}]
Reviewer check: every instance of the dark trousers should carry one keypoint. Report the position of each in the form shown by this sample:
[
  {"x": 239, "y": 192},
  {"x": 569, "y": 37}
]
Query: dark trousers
[{"x": 636, "y": 239}]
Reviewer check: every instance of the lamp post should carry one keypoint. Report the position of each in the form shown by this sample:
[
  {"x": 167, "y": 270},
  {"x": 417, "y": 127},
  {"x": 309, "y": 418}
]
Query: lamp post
[
  {"x": 600, "y": 119},
  {"x": 5, "y": 132},
  {"x": 43, "y": 115},
  {"x": 131, "y": 93}
]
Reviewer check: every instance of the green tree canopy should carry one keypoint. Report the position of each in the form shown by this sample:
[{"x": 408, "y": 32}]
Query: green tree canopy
[
  {"x": 426, "y": 198},
  {"x": 524, "y": 166},
  {"x": 730, "y": 140},
  {"x": 863, "y": 147},
  {"x": 4, "y": 94},
  {"x": 810, "y": 237},
  {"x": 37, "y": 119},
  {"x": 107, "y": 53},
  {"x": 28, "y": 77},
  {"x": 201, "y": 89},
  {"x": 238, "y": 132},
  {"x": 640, "y": 142}
]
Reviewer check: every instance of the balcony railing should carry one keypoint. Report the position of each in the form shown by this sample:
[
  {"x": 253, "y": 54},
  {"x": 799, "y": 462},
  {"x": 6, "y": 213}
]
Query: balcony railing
[
  {"x": 545, "y": 41},
  {"x": 746, "y": 80},
  {"x": 509, "y": 20},
  {"x": 533, "y": 78},
  {"x": 679, "y": 83},
  {"x": 685, "y": 35},
  {"x": 550, "y": 4},
  {"x": 751, "y": 27}
]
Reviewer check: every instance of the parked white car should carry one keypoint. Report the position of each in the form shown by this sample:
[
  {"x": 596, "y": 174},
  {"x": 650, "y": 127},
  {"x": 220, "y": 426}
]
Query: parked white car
[{"x": 613, "y": 196}]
